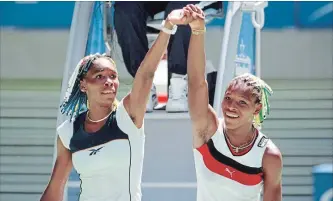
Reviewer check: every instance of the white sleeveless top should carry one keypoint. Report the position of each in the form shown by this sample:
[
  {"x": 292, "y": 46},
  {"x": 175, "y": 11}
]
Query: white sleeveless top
[
  {"x": 222, "y": 176},
  {"x": 109, "y": 162}
]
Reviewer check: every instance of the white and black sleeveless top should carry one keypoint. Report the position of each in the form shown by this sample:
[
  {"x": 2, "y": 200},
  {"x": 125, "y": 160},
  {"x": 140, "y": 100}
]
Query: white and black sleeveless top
[
  {"x": 224, "y": 176},
  {"x": 109, "y": 161}
]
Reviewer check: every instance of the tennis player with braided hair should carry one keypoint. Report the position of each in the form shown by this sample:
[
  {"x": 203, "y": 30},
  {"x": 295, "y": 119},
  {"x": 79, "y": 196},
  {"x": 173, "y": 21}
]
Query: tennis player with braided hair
[
  {"x": 105, "y": 144},
  {"x": 233, "y": 158}
]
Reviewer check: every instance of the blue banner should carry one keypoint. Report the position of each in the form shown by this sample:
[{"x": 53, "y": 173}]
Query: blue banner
[
  {"x": 36, "y": 14},
  {"x": 95, "y": 43},
  {"x": 58, "y": 15},
  {"x": 245, "y": 53},
  {"x": 314, "y": 14}
]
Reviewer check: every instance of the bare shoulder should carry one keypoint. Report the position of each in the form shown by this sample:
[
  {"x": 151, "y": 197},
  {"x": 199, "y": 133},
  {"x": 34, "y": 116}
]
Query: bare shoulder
[
  {"x": 272, "y": 168},
  {"x": 272, "y": 157}
]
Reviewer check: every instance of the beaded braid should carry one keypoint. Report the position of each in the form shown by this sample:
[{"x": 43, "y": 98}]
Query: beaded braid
[
  {"x": 262, "y": 90},
  {"x": 75, "y": 100}
]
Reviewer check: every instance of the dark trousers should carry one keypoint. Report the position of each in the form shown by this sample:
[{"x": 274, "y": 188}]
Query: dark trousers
[{"x": 130, "y": 20}]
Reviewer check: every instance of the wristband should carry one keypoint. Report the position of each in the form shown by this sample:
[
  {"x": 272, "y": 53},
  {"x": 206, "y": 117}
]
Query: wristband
[
  {"x": 169, "y": 31},
  {"x": 198, "y": 31}
]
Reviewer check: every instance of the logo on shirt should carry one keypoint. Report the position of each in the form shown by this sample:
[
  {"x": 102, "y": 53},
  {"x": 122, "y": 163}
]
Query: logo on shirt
[
  {"x": 229, "y": 171},
  {"x": 94, "y": 151},
  {"x": 263, "y": 141}
]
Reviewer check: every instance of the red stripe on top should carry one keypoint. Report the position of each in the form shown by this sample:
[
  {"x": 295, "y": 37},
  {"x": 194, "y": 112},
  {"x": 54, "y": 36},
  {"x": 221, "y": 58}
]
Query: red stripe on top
[{"x": 227, "y": 171}]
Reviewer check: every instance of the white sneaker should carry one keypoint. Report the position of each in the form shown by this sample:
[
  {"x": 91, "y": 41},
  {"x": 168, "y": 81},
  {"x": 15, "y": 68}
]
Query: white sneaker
[
  {"x": 177, "y": 101},
  {"x": 152, "y": 100}
]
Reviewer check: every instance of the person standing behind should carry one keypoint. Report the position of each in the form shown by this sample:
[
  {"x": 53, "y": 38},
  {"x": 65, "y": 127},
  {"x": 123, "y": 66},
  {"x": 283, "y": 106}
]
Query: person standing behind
[{"x": 130, "y": 20}]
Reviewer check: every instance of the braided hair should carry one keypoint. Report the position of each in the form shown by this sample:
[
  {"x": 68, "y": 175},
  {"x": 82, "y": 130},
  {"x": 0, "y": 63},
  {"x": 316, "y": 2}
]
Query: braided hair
[
  {"x": 76, "y": 101},
  {"x": 261, "y": 91}
]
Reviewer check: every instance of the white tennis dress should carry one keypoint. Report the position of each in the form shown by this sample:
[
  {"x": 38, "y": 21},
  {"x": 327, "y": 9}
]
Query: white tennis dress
[
  {"x": 109, "y": 162},
  {"x": 223, "y": 176}
]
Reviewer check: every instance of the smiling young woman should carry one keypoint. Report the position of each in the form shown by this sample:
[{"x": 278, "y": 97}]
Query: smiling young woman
[
  {"x": 103, "y": 139},
  {"x": 233, "y": 159}
]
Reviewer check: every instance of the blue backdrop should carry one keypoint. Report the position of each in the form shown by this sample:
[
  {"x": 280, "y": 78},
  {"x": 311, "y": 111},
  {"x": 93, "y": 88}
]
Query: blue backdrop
[{"x": 58, "y": 15}]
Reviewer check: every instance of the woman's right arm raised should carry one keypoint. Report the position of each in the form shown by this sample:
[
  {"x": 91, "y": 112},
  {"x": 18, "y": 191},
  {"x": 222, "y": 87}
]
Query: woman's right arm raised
[
  {"x": 204, "y": 119},
  {"x": 61, "y": 170}
]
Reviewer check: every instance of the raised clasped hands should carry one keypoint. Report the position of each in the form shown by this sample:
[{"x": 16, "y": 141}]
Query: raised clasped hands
[{"x": 190, "y": 15}]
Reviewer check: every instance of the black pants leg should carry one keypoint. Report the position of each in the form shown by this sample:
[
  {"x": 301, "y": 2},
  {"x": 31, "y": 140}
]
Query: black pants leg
[
  {"x": 130, "y": 20},
  {"x": 178, "y": 45},
  {"x": 130, "y": 25},
  {"x": 211, "y": 80}
]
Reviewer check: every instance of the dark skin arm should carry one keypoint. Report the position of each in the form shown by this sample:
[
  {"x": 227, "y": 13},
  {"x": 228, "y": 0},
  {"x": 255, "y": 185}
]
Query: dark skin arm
[
  {"x": 61, "y": 170},
  {"x": 203, "y": 117},
  {"x": 272, "y": 167},
  {"x": 135, "y": 102}
]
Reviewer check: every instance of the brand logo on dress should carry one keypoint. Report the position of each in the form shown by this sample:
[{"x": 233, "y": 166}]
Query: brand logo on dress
[
  {"x": 263, "y": 141},
  {"x": 94, "y": 151},
  {"x": 229, "y": 171}
]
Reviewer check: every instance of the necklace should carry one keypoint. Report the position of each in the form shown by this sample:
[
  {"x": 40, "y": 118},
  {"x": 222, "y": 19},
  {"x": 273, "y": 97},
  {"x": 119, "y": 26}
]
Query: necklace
[
  {"x": 96, "y": 121},
  {"x": 241, "y": 147}
]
